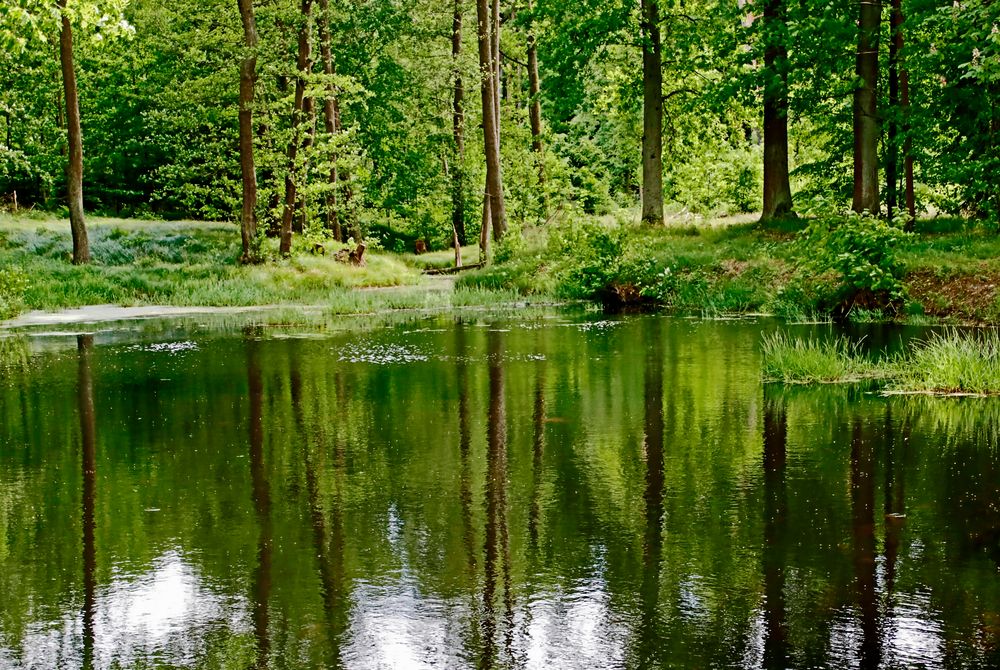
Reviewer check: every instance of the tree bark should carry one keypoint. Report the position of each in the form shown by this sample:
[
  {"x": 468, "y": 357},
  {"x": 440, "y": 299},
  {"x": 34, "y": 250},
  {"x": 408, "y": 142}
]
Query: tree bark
[
  {"x": 491, "y": 118},
  {"x": 899, "y": 101},
  {"x": 302, "y": 64},
  {"x": 652, "y": 115},
  {"x": 248, "y": 170},
  {"x": 74, "y": 166},
  {"x": 866, "y": 131},
  {"x": 535, "y": 110},
  {"x": 777, "y": 189},
  {"x": 458, "y": 132},
  {"x": 338, "y": 198}
]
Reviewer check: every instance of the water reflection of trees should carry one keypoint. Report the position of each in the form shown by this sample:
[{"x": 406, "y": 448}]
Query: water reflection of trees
[{"x": 88, "y": 440}]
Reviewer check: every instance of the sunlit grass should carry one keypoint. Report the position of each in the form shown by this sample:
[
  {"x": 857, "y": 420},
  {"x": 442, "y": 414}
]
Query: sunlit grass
[
  {"x": 952, "y": 363},
  {"x": 791, "y": 360}
]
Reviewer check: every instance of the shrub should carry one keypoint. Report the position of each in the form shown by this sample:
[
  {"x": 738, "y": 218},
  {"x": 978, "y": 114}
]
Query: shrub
[{"x": 860, "y": 251}]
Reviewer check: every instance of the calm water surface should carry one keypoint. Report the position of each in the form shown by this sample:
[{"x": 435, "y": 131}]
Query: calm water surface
[{"x": 552, "y": 491}]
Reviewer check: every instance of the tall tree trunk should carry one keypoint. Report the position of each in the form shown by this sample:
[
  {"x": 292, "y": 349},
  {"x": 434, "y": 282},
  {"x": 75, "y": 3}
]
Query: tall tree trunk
[
  {"x": 652, "y": 115},
  {"x": 899, "y": 101},
  {"x": 491, "y": 120},
  {"x": 248, "y": 79},
  {"x": 535, "y": 111},
  {"x": 74, "y": 167},
  {"x": 458, "y": 131},
  {"x": 866, "y": 131},
  {"x": 335, "y": 200},
  {"x": 309, "y": 114},
  {"x": 777, "y": 189},
  {"x": 302, "y": 64}
]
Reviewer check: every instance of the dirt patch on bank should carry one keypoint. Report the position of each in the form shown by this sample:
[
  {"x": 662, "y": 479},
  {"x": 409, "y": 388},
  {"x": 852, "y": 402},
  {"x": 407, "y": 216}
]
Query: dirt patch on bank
[{"x": 962, "y": 296}]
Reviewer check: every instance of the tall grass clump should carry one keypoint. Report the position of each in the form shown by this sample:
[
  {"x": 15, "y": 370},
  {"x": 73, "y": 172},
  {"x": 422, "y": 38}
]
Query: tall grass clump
[
  {"x": 952, "y": 362},
  {"x": 807, "y": 361}
]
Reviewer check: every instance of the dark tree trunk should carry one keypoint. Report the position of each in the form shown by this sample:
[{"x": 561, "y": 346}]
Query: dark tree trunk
[
  {"x": 776, "y": 644},
  {"x": 458, "y": 132},
  {"x": 339, "y": 196},
  {"x": 302, "y": 64},
  {"x": 248, "y": 79},
  {"x": 866, "y": 131},
  {"x": 535, "y": 111},
  {"x": 899, "y": 103},
  {"x": 261, "y": 494},
  {"x": 74, "y": 134},
  {"x": 88, "y": 437},
  {"x": 491, "y": 120},
  {"x": 652, "y": 115},
  {"x": 777, "y": 189}
]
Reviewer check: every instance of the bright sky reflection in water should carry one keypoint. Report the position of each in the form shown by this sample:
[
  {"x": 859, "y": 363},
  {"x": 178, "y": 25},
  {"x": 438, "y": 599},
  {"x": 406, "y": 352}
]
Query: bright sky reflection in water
[{"x": 559, "y": 491}]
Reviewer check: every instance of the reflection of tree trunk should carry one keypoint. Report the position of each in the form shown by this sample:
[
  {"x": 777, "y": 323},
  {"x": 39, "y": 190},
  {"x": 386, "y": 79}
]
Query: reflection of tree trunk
[
  {"x": 262, "y": 503},
  {"x": 653, "y": 536},
  {"x": 330, "y": 565},
  {"x": 88, "y": 435},
  {"x": 863, "y": 521},
  {"x": 464, "y": 444},
  {"x": 537, "y": 453},
  {"x": 775, "y": 524},
  {"x": 894, "y": 490},
  {"x": 497, "y": 548}
]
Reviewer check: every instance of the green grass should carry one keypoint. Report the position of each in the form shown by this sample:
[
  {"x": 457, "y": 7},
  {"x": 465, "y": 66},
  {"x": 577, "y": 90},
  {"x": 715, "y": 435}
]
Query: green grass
[
  {"x": 953, "y": 363},
  {"x": 177, "y": 263},
  {"x": 791, "y": 360}
]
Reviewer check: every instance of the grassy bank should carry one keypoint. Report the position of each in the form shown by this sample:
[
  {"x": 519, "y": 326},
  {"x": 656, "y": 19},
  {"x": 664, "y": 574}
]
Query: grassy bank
[
  {"x": 953, "y": 363},
  {"x": 178, "y": 263},
  {"x": 858, "y": 269}
]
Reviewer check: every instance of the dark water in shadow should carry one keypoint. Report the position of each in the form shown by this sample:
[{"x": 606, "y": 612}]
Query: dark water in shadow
[{"x": 553, "y": 492}]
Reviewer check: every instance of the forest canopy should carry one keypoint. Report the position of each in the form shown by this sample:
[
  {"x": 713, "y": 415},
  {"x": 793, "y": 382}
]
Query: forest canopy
[{"x": 365, "y": 115}]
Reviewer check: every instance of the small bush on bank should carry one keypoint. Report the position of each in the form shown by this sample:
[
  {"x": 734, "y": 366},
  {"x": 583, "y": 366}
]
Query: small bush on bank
[
  {"x": 855, "y": 256},
  {"x": 13, "y": 284}
]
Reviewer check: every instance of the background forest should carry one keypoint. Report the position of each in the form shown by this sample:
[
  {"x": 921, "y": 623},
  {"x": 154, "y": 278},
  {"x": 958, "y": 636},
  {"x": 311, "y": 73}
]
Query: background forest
[{"x": 159, "y": 87}]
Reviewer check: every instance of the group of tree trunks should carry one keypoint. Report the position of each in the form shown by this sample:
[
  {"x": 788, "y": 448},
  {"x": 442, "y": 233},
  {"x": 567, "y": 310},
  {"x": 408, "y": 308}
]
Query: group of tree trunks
[{"x": 777, "y": 196}]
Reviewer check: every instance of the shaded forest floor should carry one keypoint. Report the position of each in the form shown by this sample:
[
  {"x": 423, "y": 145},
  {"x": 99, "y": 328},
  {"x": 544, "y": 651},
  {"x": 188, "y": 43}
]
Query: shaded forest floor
[{"x": 702, "y": 268}]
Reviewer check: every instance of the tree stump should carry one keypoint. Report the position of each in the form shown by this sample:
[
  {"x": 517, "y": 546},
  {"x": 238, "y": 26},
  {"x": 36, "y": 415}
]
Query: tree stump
[{"x": 355, "y": 257}]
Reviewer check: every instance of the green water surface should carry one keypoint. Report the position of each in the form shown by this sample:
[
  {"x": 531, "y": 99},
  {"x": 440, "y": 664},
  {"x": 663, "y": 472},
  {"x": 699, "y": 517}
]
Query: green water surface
[{"x": 553, "y": 491}]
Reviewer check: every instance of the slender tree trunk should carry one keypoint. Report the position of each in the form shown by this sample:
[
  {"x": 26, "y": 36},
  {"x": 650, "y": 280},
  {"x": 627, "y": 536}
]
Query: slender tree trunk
[
  {"x": 652, "y": 115},
  {"x": 777, "y": 189},
  {"x": 248, "y": 79},
  {"x": 903, "y": 111},
  {"x": 74, "y": 167},
  {"x": 308, "y": 113},
  {"x": 535, "y": 111},
  {"x": 302, "y": 64},
  {"x": 866, "y": 131},
  {"x": 458, "y": 132},
  {"x": 491, "y": 120},
  {"x": 333, "y": 126}
]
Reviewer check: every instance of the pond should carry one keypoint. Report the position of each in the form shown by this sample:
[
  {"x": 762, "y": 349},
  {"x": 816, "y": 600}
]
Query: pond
[{"x": 542, "y": 490}]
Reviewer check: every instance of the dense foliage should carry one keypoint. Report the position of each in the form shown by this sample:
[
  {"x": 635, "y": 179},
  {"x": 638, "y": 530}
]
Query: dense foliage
[{"x": 159, "y": 83}]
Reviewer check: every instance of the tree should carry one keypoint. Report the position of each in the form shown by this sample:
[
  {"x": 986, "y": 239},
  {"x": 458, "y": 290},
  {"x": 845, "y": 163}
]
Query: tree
[
  {"x": 248, "y": 170},
  {"x": 74, "y": 134},
  {"x": 458, "y": 133},
  {"x": 777, "y": 189},
  {"x": 299, "y": 112},
  {"x": 488, "y": 48},
  {"x": 866, "y": 126},
  {"x": 534, "y": 90},
  {"x": 652, "y": 115},
  {"x": 899, "y": 103},
  {"x": 331, "y": 120}
]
